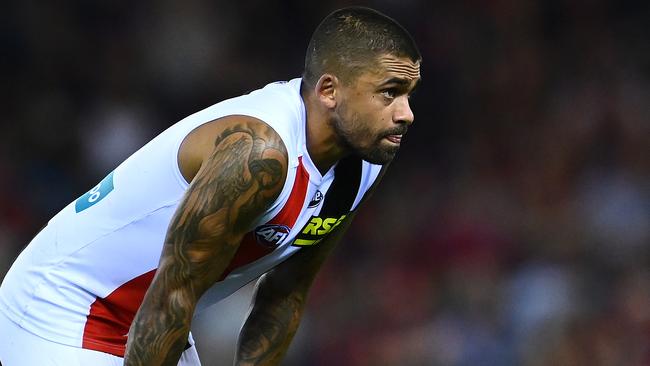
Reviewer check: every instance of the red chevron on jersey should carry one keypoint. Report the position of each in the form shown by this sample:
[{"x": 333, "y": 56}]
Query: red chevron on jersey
[
  {"x": 110, "y": 317},
  {"x": 250, "y": 248}
]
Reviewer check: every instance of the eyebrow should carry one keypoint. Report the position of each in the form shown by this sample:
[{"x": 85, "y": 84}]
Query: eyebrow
[{"x": 396, "y": 80}]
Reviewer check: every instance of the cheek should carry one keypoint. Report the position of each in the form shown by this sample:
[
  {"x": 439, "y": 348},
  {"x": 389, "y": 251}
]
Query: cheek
[
  {"x": 369, "y": 127},
  {"x": 378, "y": 113},
  {"x": 368, "y": 120}
]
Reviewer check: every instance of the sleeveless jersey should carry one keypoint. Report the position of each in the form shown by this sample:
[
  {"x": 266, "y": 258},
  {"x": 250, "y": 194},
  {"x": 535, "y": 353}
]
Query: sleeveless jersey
[{"x": 83, "y": 277}]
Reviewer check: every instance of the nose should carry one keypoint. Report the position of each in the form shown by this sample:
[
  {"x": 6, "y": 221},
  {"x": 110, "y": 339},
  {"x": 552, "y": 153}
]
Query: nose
[{"x": 403, "y": 112}]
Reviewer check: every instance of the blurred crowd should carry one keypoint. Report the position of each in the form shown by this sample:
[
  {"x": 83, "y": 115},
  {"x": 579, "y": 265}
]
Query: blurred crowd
[{"x": 513, "y": 228}]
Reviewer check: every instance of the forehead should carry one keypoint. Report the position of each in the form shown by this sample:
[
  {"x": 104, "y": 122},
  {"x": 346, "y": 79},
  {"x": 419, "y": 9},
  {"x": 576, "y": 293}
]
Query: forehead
[
  {"x": 402, "y": 66},
  {"x": 390, "y": 67}
]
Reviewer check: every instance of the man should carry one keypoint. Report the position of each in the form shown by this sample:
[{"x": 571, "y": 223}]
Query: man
[{"x": 260, "y": 185}]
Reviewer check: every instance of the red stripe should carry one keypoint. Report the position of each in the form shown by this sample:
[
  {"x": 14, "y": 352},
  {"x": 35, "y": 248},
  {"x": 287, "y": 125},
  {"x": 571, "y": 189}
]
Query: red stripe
[
  {"x": 249, "y": 250},
  {"x": 289, "y": 213},
  {"x": 110, "y": 317}
]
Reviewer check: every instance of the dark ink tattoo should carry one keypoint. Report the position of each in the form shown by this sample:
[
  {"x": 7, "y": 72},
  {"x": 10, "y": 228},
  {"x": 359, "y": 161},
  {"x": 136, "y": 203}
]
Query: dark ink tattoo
[
  {"x": 279, "y": 303},
  {"x": 242, "y": 177},
  {"x": 269, "y": 329}
]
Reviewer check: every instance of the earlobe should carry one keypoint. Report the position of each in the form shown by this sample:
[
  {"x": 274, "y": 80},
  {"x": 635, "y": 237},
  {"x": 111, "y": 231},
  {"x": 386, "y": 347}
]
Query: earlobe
[{"x": 326, "y": 90}]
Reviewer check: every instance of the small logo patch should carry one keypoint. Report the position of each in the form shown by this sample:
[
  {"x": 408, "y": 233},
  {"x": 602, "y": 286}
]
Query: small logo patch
[
  {"x": 271, "y": 235},
  {"x": 318, "y": 197},
  {"x": 95, "y": 195}
]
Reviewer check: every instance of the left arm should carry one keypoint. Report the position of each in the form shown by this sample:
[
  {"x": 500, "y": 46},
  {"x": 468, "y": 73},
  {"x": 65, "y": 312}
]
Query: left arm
[
  {"x": 279, "y": 302},
  {"x": 280, "y": 299}
]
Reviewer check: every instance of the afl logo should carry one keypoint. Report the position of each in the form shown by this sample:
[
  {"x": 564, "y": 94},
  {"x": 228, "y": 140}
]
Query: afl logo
[
  {"x": 318, "y": 197},
  {"x": 271, "y": 235}
]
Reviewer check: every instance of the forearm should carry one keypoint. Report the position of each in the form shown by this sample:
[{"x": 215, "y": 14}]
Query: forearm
[
  {"x": 279, "y": 303},
  {"x": 160, "y": 329},
  {"x": 269, "y": 328}
]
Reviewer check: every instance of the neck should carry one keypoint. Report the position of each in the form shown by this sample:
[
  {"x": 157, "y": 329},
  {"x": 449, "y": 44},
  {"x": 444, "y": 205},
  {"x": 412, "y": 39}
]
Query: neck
[{"x": 322, "y": 143}]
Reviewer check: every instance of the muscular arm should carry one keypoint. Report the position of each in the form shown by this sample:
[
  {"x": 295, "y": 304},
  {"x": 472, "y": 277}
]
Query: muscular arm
[
  {"x": 280, "y": 299},
  {"x": 241, "y": 176}
]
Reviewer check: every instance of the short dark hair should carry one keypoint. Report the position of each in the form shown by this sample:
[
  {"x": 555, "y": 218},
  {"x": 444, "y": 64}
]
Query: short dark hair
[{"x": 351, "y": 39}]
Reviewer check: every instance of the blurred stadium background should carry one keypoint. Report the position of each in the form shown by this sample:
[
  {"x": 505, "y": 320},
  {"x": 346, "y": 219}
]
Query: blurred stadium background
[{"x": 513, "y": 229}]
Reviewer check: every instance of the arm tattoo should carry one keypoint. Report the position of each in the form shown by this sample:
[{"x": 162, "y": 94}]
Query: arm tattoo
[
  {"x": 241, "y": 178},
  {"x": 269, "y": 329},
  {"x": 280, "y": 301}
]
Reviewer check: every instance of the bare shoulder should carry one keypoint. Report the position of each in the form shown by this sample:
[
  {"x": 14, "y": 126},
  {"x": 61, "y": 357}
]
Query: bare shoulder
[
  {"x": 237, "y": 168},
  {"x": 235, "y": 165},
  {"x": 200, "y": 144}
]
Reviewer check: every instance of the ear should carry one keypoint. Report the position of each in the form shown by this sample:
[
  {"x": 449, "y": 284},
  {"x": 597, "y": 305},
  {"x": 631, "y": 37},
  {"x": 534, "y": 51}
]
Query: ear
[{"x": 326, "y": 90}]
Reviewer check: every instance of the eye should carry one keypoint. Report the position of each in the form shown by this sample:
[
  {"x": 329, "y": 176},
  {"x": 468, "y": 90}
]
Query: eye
[{"x": 389, "y": 93}]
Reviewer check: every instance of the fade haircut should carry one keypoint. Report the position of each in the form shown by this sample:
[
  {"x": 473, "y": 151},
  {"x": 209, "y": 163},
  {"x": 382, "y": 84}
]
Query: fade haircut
[{"x": 350, "y": 40}]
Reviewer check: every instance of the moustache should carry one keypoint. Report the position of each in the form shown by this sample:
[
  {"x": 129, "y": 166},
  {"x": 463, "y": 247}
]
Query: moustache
[{"x": 395, "y": 131}]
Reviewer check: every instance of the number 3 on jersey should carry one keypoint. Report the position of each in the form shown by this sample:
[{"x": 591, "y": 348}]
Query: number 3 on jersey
[{"x": 95, "y": 195}]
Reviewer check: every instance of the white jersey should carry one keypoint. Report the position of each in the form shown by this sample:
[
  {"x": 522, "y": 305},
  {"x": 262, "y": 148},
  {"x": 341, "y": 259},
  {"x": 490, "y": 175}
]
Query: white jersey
[{"x": 83, "y": 277}]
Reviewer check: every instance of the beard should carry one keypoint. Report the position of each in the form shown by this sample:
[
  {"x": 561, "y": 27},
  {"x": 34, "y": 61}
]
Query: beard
[{"x": 353, "y": 133}]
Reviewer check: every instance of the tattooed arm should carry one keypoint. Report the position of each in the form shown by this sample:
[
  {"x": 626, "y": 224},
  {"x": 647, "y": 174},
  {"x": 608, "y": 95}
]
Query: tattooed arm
[
  {"x": 238, "y": 177},
  {"x": 279, "y": 301}
]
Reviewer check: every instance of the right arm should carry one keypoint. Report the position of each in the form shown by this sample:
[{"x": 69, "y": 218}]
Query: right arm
[{"x": 239, "y": 179}]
